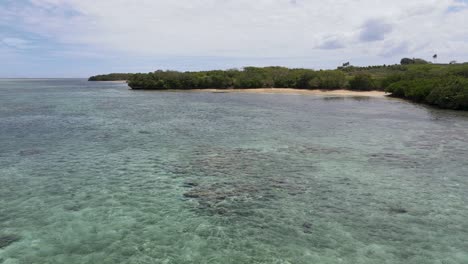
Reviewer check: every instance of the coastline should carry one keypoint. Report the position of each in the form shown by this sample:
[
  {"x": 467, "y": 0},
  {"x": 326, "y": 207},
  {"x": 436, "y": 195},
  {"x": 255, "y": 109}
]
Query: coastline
[
  {"x": 117, "y": 81},
  {"x": 292, "y": 91}
]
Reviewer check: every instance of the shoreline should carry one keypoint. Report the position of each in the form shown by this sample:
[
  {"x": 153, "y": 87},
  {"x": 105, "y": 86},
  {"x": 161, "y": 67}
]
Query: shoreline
[{"x": 292, "y": 91}]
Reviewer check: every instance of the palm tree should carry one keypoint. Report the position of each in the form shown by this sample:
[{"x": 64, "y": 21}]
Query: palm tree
[{"x": 435, "y": 58}]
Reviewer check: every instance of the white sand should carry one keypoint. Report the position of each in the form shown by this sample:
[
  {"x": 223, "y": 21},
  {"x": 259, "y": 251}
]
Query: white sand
[{"x": 295, "y": 91}]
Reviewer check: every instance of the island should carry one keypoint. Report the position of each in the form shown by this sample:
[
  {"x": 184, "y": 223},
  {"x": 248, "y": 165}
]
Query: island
[{"x": 440, "y": 85}]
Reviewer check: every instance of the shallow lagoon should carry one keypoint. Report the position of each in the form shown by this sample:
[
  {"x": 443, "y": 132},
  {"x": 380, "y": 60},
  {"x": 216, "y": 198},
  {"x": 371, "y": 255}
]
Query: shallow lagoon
[{"x": 96, "y": 173}]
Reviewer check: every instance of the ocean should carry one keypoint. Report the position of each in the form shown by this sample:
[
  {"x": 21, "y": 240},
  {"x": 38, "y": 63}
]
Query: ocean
[{"x": 93, "y": 172}]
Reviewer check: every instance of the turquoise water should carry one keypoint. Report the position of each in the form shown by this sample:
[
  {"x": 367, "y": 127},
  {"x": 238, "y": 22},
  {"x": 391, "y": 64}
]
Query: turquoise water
[{"x": 96, "y": 173}]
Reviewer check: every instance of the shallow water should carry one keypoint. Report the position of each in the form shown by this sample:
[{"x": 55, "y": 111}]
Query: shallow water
[{"x": 96, "y": 173}]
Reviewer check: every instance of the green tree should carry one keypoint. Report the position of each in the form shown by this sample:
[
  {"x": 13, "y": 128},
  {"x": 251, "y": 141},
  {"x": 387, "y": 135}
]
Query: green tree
[{"x": 362, "y": 82}]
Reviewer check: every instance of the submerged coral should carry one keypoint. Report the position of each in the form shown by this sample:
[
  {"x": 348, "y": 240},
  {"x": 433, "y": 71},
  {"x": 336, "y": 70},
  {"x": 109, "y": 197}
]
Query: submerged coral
[{"x": 6, "y": 240}]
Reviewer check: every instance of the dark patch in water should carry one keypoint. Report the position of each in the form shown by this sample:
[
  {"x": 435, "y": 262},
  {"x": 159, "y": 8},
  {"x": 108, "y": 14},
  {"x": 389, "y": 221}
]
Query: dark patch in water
[
  {"x": 6, "y": 240},
  {"x": 312, "y": 149},
  {"x": 220, "y": 162},
  {"x": 334, "y": 98},
  {"x": 235, "y": 187},
  {"x": 216, "y": 192},
  {"x": 224, "y": 199},
  {"x": 55, "y": 189},
  {"x": 239, "y": 198},
  {"x": 190, "y": 184},
  {"x": 29, "y": 152},
  {"x": 358, "y": 98},
  {"x": 398, "y": 210},
  {"x": 104, "y": 137},
  {"x": 319, "y": 150},
  {"x": 307, "y": 227},
  {"x": 73, "y": 207},
  {"x": 397, "y": 160},
  {"x": 291, "y": 187}
]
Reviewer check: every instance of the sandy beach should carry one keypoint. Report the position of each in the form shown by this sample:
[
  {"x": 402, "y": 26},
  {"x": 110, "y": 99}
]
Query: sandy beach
[{"x": 295, "y": 91}]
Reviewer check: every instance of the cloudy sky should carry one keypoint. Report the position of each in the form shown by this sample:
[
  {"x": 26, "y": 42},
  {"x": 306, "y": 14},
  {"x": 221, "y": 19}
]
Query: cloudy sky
[{"x": 78, "y": 38}]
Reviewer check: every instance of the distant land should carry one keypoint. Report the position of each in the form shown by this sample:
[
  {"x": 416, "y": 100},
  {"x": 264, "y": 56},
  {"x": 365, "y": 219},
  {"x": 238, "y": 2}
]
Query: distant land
[
  {"x": 440, "y": 85},
  {"x": 111, "y": 77}
]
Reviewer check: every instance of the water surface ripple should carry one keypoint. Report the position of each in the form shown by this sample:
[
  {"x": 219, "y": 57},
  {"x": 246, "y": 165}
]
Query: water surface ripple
[{"x": 96, "y": 173}]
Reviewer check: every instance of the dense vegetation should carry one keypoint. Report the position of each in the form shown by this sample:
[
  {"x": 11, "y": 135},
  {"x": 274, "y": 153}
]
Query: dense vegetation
[
  {"x": 363, "y": 82},
  {"x": 249, "y": 77},
  {"x": 406, "y": 61},
  {"x": 111, "y": 77},
  {"x": 442, "y": 85}
]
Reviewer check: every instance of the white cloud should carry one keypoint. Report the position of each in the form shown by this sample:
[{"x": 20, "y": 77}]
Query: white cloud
[
  {"x": 246, "y": 28},
  {"x": 16, "y": 43}
]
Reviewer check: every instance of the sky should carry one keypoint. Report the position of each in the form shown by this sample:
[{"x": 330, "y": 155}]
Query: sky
[{"x": 80, "y": 38}]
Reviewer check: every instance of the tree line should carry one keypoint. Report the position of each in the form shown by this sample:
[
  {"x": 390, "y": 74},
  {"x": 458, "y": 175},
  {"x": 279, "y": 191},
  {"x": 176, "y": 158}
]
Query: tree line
[
  {"x": 445, "y": 86},
  {"x": 248, "y": 77},
  {"x": 111, "y": 77}
]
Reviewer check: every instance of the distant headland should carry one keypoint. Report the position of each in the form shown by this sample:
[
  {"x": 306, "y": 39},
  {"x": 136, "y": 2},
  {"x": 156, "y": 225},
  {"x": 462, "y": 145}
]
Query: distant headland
[{"x": 440, "y": 85}]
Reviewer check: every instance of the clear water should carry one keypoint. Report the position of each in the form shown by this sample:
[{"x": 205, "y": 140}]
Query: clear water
[{"x": 96, "y": 173}]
